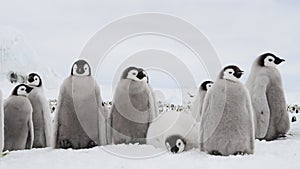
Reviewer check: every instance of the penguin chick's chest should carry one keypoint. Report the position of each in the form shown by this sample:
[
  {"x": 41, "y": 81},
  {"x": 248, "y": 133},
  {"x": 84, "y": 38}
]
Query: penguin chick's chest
[
  {"x": 139, "y": 100},
  {"x": 236, "y": 102},
  {"x": 83, "y": 87}
]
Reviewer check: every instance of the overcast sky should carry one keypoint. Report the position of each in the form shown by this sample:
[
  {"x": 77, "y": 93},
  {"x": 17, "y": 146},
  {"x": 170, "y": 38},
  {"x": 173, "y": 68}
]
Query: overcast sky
[{"x": 239, "y": 30}]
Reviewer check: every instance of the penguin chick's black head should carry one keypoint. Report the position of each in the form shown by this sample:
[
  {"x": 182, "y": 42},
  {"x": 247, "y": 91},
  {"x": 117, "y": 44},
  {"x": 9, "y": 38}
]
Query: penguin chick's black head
[
  {"x": 81, "y": 68},
  {"x": 136, "y": 74},
  {"x": 206, "y": 85},
  {"x": 34, "y": 80},
  {"x": 175, "y": 144},
  {"x": 269, "y": 60},
  {"x": 22, "y": 90}
]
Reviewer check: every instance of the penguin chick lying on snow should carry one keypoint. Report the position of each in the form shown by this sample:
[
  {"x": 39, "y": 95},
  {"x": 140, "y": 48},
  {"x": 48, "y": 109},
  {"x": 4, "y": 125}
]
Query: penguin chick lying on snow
[{"x": 174, "y": 131}]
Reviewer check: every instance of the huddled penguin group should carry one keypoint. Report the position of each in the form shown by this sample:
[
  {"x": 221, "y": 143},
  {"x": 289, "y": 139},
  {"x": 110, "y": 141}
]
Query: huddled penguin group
[{"x": 226, "y": 117}]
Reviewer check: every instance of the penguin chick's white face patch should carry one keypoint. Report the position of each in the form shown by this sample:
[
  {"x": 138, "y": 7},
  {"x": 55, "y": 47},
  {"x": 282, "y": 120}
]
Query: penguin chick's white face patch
[
  {"x": 21, "y": 90},
  {"x": 137, "y": 76},
  {"x": 269, "y": 61},
  {"x": 180, "y": 145},
  {"x": 228, "y": 74},
  {"x": 209, "y": 86}
]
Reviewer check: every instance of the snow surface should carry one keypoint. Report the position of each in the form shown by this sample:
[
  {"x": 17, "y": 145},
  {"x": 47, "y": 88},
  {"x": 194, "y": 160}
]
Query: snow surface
[{"x": 279, "y": 154}]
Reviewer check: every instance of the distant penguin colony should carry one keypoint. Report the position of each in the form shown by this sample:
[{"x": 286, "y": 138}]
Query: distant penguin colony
[
  {"x": 266, "y": 90},
  {"x": 225, "y": 119},
  {"x": 134, "y": 107}
]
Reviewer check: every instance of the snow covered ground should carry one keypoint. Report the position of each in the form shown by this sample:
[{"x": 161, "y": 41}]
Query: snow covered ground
[{"x": 278, "y": 154}]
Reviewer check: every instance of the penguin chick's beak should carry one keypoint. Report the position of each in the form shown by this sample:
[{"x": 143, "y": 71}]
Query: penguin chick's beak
[
  {"x": 239, "y": 74},
  {"x": 174, "y": 149},
  {"x": 278, "y": 61},
  {"x": 140, "y": 75},
  {"x": 80, "y": 70},
  {"x": 30, "y": 79},
  {"x": 29, "y": 89}
]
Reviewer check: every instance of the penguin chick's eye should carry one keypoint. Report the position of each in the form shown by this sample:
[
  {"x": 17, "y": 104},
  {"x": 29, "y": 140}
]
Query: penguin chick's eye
[
  {"x": 86, "y": 67},
  {"x": 22, "y": 89},
  {"x": 270, "y": 60},
  {"x": 35, "y": 78},
  {"x": 134, "y": 73},
  {"x": 230, "y": 72},
  {"x": 179, "y": 143}
]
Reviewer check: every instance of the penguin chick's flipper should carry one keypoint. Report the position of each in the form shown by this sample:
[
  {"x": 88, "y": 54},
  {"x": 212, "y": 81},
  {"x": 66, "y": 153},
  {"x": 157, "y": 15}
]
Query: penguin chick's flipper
[
  {"x": 30, "y": 137},
  {"x": 261, "y": 107},
  {"x": 65, "y": 144},
  {"x": 91, "y": 144},
  {"x": 28, "y": 142}
]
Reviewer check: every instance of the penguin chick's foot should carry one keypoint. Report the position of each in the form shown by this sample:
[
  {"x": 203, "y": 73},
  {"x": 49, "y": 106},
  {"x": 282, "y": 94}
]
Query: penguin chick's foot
[
  {"x": 65, "y": 144},
  {"x": 91, "y": 144},
  {"x": 215, "y": 153},
  {"x": 239, "y": 153}
]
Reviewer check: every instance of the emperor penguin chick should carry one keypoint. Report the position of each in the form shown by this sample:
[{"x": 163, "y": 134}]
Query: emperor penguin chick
[
  {"x": 41, "y": 112},
  {"x": 268, "y": 100},
  {"x": 174, "y": 131},
  {"x": 80, "y": 119},
  {"x": 18, "y": 126},
  {"x": 134, "y": 107},
  {"x": 226, "y": 125},
  {"x": 198, "y": 103}
]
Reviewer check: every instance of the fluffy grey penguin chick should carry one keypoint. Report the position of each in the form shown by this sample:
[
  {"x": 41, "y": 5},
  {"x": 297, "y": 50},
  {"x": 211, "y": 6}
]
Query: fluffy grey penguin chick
[
  {"x": 41, "y": 112},
  {"x": 80, "y": 119},
  {"x": 268, "y": 100},
  {"x": 226, "y": 125},
  {"x": 18, "y": 126},
  {"x": 174, "y": 131},
  {"x": 134, "y": 107}
]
